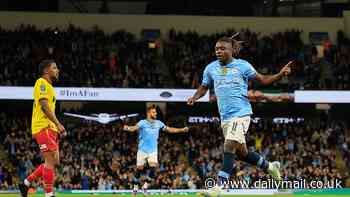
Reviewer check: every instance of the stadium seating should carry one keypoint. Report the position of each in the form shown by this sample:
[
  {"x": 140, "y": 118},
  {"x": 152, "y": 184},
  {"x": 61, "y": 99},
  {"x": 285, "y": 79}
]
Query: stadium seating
[
  {"x": 102, "y": 157},
  {"x": 93, "y": 58}
]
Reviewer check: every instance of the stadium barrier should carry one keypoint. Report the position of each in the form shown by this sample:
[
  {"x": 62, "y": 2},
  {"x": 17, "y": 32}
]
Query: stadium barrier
[
  {"x": 104, "y": 94},
  {"x": 314, "y": 96},
  {"x": 166, "y": 95}
]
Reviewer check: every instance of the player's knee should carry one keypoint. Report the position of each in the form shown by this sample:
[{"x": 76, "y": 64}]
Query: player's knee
[
  {"x": 50, "y": 164},
  {"x": 229, "y": 147},
  {"x": 57, "y": 158},
  {"x": 50, "y": 159},
  {"x": 153, "y": 165},
  {"x": 242, "y": 152},
  {"x": 241, "y": 155},
  {"x": 57, "y": 161},
  {"x": 140, "y": 167}
]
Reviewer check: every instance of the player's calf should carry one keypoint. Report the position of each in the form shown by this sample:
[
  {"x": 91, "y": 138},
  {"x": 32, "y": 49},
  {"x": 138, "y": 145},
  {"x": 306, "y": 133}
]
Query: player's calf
[
  {"x": 227, "y": 169},
  {"x": 49, "y": 172},
  {"x": 23, "y": 188},
  {"x": 229, "y": 166},
  {"x": 135, "y": 189},
  {"x": 273, "y": 168},
  {"x": 255, "y": 159},
  {"x": 145, "y": 188},
  {"x": 38, "y": 172}
]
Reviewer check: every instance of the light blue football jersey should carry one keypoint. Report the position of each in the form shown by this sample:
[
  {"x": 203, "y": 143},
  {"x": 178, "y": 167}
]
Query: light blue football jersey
[
  {"x": 149, "y": 134},
  {"x": 230, "y": 86}
]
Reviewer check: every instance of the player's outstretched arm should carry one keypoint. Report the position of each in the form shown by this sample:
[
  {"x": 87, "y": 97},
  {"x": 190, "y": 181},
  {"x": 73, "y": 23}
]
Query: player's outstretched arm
[
  {"x": 50, "y": 115},
  {"x": 201, "y": 91},
  {"x": 256, "y": 95},
  {"x": 130, "y": 128},
  {"x": 268, "y": 79},
  {"x": 176, "y": 130}
]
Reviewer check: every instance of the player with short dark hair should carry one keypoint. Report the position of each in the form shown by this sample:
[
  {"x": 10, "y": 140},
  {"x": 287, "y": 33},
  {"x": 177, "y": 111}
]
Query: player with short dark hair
[
  {"x": 45, "y": 128},
  {"x": 230, "y": 77}
]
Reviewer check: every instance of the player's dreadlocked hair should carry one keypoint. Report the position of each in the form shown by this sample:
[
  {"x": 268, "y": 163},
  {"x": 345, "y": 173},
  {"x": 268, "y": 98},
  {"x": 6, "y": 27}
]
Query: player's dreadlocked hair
[{"x": 237, "y": 45}]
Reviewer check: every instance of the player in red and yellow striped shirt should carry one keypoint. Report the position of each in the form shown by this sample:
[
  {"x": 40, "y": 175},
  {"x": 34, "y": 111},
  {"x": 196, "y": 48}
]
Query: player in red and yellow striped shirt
[{"x": 45, "y": 127}]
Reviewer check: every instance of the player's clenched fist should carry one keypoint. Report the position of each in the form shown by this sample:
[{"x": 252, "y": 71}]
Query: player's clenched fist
[
  {"x": 191, "y": 101},
  {"x": 62, "y": 131},
  {"x": 186, "y": 129},
  {"x": 61, "y": 128},
  {"x": 125, "y": 127}
]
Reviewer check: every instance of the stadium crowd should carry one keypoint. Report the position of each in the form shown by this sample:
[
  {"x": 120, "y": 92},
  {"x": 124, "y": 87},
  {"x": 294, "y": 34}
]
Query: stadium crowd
[
  {"x": 95, "y": 156},
  {"x": 315, "y": 69},
  {"x": 93, "y": 58},
  {"x": 86, "y": 58}
]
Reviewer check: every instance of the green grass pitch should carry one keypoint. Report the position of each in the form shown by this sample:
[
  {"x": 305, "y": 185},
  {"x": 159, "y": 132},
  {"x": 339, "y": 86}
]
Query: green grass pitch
[{"x": 141, "y": 195}]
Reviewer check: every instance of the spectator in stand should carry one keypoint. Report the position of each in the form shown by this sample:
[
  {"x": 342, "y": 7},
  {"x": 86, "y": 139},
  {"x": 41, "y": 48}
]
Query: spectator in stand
[
  {"x": 108, "y": 161},
  {"x": 120, "y": 60}
]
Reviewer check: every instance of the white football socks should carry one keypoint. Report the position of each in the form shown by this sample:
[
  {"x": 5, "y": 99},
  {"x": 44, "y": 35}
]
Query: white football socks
[
  {"x": 49, "y": 194},
  {"x": 26, "y": 182}
]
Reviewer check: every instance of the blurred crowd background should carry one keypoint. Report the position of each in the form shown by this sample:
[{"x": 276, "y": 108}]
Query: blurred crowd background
[
  {"x": 95, "y": 156},
  {"x": 96, "y": 59}
]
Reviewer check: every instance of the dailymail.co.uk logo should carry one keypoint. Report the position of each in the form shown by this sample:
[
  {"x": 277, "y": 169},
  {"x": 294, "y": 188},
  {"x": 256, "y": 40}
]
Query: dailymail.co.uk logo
[{"x": 78, "y": 93}]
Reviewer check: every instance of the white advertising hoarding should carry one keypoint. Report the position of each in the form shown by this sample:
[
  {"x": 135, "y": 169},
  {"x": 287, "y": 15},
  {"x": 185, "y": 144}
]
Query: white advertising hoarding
[
  {"x": 165, "y": 95},
  {"x": 104, "y": 94},
  {"x": 313, "y": 96}
]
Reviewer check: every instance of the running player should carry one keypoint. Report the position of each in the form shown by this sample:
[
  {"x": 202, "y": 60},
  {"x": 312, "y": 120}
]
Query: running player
[
  {"x": 45, "y": 128},
  {"x": 148, "y": 138},
  {"x": 230, "y": 77}
]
